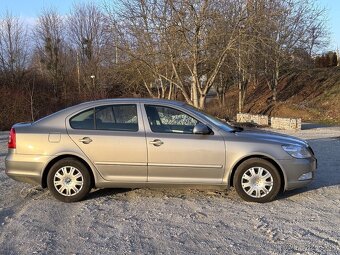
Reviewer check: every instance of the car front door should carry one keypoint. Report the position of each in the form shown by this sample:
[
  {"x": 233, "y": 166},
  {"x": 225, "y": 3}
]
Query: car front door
[
  {"x": 175, "y": 154},
  {"x": 113, "y": 138}
]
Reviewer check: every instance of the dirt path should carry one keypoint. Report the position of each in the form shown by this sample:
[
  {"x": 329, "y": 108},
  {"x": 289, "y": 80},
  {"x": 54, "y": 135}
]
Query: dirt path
[{"x": 119, "y": 221}]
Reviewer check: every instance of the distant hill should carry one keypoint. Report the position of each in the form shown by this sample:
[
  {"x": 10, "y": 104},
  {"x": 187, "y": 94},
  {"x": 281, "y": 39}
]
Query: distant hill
[{"x": 313, "y": 95}]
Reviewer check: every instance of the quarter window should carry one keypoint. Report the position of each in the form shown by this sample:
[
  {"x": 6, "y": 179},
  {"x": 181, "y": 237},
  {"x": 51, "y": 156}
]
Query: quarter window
[
  {"x": 169, "y": 120},
  {"x": 83, "y": 120}
]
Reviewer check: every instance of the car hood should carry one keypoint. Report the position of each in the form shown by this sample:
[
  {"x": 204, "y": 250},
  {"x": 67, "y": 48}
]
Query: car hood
[{"x": 260, "y": 135}]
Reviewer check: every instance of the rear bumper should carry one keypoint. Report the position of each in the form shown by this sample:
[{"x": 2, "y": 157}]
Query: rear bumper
[
  {"x": 25, "y": 168},
  {"x": 295, "y": 168}
]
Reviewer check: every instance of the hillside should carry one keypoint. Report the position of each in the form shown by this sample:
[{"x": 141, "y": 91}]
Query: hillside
[{"x": 313, "y": 95}]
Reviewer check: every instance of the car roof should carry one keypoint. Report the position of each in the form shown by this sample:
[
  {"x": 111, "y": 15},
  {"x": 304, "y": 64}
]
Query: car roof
[
  {"x": 134, "y": 100},
  {"x": 58, "y": 118}
]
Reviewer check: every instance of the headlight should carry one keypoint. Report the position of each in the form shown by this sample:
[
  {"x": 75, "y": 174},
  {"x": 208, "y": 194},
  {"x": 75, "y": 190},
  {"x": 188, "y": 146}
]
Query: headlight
[{"x": 297, "y": 151}]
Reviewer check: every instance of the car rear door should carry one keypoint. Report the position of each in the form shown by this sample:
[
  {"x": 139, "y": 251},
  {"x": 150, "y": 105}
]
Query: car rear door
[
  {"x": 113, "y": 138},
  {"x": 175, "y": 154}
]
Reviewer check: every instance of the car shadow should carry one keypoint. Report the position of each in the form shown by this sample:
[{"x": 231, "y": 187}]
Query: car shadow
[
  {"x": 327, "y": 151},
  {"x": 106, "y": 192}
]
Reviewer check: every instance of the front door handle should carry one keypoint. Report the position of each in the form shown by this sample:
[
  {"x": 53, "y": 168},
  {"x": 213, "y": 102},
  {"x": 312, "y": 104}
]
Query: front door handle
[
  {"x": 156, "y": 142},
  {"x": 85, "y": 140}
]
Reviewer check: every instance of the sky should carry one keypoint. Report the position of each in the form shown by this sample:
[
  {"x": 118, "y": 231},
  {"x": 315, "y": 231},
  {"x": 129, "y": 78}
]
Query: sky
[
  {"x": 28, "y": 10},
  {"x": 32, "y": 8},
  {"x": 333, "y": 10}
]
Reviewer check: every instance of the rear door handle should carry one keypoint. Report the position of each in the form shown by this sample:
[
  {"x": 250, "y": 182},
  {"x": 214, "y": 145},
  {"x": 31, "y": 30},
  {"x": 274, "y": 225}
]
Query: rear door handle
[
  {"x": 156, "y": 142},
  {"x": 85, "y": 140}
]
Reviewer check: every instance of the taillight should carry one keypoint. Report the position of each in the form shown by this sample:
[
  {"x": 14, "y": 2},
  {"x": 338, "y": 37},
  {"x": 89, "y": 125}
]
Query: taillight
[{"x": 12, "y": 139}]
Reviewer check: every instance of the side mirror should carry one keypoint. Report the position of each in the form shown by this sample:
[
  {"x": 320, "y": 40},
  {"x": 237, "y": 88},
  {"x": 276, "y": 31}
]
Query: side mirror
[{"x": 201, "y": 129}]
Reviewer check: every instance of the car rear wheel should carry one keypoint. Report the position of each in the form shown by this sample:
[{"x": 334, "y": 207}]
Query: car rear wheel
[
  {"x": 69, "y": 180},
  {"x": 257, "y": 180}
]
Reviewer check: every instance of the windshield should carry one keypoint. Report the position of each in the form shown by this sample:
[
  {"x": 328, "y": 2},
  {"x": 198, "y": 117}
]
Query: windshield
[{"x": 219, "y": 123}]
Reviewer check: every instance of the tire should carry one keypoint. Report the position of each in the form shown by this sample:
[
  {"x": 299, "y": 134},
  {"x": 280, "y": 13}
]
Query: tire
[
  {"x": 257, "y": 180},
  {"x": 69, "y": 180}
]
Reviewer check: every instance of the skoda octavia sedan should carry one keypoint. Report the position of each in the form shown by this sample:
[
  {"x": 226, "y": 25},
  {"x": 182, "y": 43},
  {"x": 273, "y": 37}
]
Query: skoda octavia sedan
[{"x": 129, "y": 143}]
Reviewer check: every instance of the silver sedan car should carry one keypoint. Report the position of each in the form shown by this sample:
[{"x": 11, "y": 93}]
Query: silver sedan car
[{"x": 130, "y": 143}]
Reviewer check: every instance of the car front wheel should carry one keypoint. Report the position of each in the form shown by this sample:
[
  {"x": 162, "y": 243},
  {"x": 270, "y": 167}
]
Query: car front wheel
[
  {"x": 257, "y": 180},
  {"x": 69, "y": 180}
]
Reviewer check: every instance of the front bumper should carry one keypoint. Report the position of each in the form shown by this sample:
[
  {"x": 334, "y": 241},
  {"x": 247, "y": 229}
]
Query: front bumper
[
  {"x": 295, "y": 168},
  {"x": 25, "y": 168}
]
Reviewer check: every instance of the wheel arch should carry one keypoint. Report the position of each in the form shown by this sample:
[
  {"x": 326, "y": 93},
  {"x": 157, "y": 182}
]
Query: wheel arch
[
  {"x": 269, "y": 159},
  {"x": 60, "y": 157}
]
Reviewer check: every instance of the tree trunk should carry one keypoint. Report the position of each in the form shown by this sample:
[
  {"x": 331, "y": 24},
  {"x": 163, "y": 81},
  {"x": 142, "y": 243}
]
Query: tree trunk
[
  {"x": 240, "y": 96},
  {"x": 202, "y": 101},
  {"x": 274, "y": 94},
  {"x": 243, "y": 97},
  {"x": 170, "y": 91},
  {"x": 32, "y": 104},
  {"x": 194, "y": 92},
  {"x": 276, "y": 80}
]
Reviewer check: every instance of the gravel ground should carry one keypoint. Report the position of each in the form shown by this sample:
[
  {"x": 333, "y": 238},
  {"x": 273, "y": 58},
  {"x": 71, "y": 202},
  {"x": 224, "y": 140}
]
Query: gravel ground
[{"x": 121, "y": 221}]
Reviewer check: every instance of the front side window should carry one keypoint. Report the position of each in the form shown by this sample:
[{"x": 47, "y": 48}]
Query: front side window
[
  {"x": 164, "y": 119},
  {"x": 117, "y": 117},
  {"x": 83, "y": 120}
]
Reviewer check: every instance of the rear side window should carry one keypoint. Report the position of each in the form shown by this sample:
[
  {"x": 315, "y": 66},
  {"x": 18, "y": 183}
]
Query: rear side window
[
  {"x": 117, "y": 117},
  {"x": 83, "y": 120}
]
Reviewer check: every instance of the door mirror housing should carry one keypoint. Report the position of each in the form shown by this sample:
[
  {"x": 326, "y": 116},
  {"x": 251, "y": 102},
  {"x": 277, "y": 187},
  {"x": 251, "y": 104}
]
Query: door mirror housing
[{"x": 201, "y": 129}]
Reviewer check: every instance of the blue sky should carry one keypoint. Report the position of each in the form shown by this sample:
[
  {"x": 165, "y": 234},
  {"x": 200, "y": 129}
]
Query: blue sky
[
  {"x": 30, "y": 9},
  {"x": 333, "y": 10}
]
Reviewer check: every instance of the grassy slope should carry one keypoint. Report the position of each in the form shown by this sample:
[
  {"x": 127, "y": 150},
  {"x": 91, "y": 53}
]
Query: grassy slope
[{"x": 313, "y": 95}]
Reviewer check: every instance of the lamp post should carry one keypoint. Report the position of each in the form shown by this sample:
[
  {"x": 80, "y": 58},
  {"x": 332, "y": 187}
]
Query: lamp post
[
  {"x": 92, "y": 77},
  {"x": 240, "y": 87}
]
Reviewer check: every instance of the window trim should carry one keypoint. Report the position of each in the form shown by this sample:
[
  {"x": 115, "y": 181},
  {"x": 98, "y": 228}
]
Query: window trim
[{"x": 94, "y": 118}]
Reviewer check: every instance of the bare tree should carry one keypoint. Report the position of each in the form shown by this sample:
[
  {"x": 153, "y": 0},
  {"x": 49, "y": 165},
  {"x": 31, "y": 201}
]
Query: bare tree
[
  {"x": 50, "y": 43},
  {"x": 184, "y": 43},
  {"x": 291, "y": 24},
  {"x": 14, "y": 48},
  {"x": 175, "y": 49},
  {"x": 87, "y": 31}
]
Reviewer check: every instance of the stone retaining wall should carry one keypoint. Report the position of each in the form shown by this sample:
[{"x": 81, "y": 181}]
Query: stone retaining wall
[
  {"x": 257, "y": 119},
  {"x": 285, "y": 123},
  {"x": 275, "y": 122}
]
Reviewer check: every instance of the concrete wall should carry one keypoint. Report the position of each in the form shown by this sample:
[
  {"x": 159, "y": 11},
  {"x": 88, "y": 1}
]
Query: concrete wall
[
  {"x": 257, "y": 119},
  {"x": 285, "y": 123}
]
